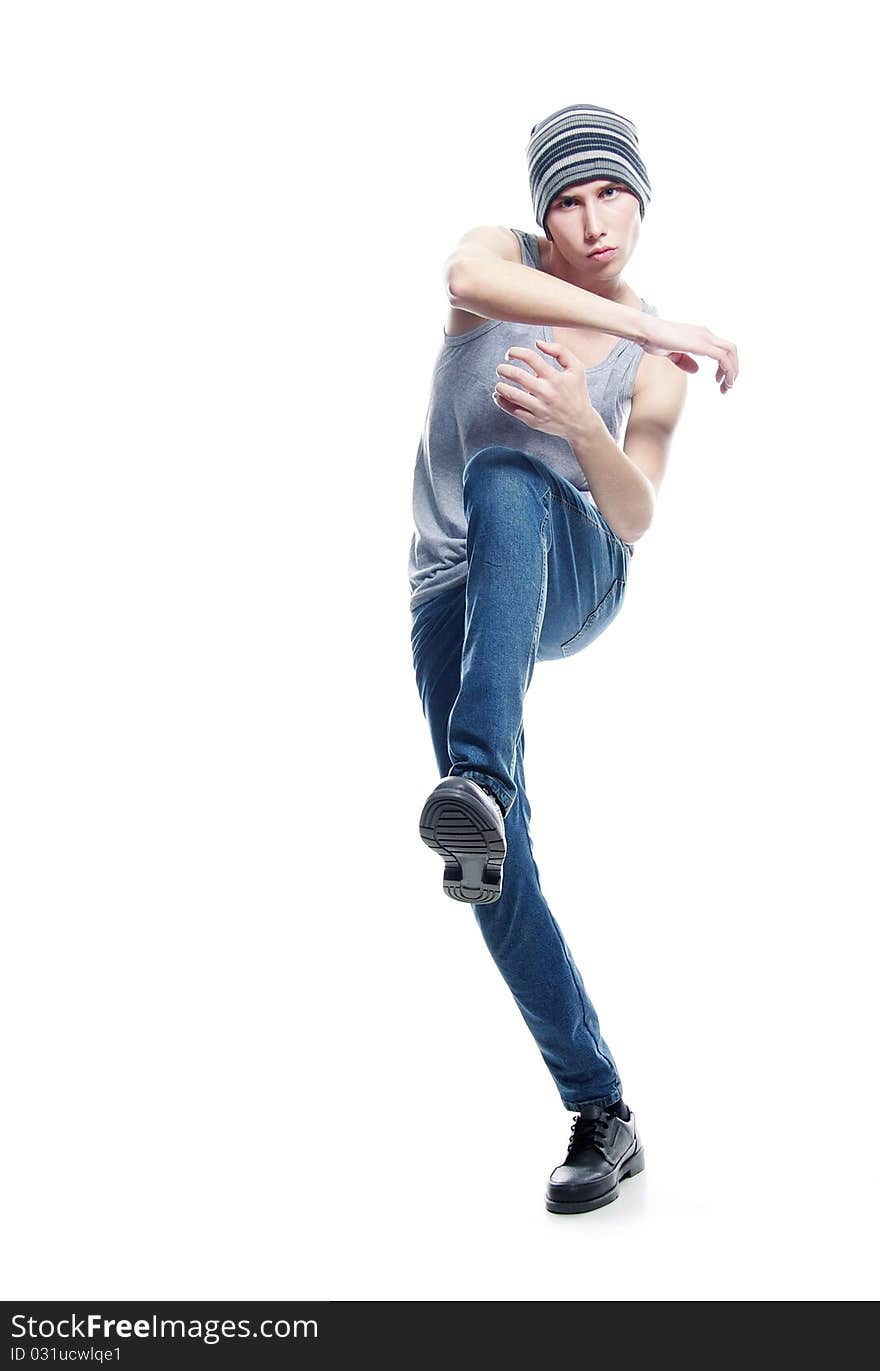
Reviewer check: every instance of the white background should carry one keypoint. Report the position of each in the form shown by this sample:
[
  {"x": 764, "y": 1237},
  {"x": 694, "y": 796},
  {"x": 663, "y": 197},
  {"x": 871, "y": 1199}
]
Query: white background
[{"x": 252, "y": 1051}]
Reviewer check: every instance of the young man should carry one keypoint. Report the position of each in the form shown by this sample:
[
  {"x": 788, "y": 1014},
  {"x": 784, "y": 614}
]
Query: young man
[{"x": 527, "y": 512}]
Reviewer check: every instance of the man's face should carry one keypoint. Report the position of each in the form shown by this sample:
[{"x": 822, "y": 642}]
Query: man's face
[{"x": 595, "y": 214}]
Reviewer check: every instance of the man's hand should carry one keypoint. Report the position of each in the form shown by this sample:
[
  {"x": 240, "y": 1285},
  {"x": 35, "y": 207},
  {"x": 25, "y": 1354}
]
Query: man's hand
[
  {"x": 676, "y": 341},
  {"x": 552, "y": 400}
]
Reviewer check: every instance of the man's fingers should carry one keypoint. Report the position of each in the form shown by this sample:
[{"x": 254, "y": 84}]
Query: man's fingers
[
  {"x": 522, "y": 377},
  {"x": 538, "y": 363},
  {"x": 728, "y": 362},
  {"x": 510, "y": 408},
  {"x": 514, "y": 395}
]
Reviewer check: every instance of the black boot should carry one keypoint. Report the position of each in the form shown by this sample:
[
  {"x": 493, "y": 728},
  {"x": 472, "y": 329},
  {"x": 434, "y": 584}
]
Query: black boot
[{"x": 603, "y": 1149}]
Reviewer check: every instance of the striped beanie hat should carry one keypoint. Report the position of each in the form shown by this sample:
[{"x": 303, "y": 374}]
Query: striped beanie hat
[{"x": 584, "y": 143}]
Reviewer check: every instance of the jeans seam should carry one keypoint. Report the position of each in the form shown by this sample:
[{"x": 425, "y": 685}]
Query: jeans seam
[
  {"x": 536, "y": 631},
  {"x": 577, "y": 509},
  {"x": 542, "y": 600},
  {"x": 599, "y": 1053}
]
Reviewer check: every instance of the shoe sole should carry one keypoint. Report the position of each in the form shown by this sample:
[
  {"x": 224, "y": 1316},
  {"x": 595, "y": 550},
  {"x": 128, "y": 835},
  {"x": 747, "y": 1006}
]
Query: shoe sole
[
  {"x": 635, "y": 1164},
  {"x": 464, "y": 832}
]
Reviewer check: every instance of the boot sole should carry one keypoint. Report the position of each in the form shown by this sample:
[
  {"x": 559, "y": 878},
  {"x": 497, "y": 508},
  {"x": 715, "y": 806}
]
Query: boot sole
[
  {"x": 464, "y": 832},
  {"x": 635, "y": 1164}
]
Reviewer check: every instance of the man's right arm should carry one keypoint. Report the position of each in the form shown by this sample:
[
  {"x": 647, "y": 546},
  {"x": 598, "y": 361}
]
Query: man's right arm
[{"x": 486, "y": 276}]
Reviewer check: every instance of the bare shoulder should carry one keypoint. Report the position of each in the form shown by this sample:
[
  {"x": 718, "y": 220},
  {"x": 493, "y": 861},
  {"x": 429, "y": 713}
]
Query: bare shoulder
[{"x": 486, "y": 240}]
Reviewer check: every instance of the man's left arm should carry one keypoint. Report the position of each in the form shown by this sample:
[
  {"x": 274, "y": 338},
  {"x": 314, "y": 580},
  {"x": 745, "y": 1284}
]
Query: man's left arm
[{"x": 624, "y": 481}]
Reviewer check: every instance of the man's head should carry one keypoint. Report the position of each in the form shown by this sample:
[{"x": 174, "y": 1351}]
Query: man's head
[
  {"x": 596, "y": 214},
  {"x": 579, "y": 145}
]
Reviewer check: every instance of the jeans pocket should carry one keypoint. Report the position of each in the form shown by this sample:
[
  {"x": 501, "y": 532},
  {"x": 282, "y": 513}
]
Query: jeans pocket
[{"x": 600, "y": 618}]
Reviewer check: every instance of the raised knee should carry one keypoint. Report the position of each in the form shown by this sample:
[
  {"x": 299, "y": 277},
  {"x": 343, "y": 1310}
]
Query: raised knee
[{"x": 495, "y": 459}]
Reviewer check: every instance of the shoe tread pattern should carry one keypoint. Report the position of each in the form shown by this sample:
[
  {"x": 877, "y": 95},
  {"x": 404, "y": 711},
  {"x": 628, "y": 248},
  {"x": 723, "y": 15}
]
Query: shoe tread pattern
[{"x": 465, "y": 833}]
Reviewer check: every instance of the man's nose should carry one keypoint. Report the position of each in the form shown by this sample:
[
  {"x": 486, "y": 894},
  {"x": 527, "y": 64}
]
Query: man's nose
[{"x": 592, "y": 223}]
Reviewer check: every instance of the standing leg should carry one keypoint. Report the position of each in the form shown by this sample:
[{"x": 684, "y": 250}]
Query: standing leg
[{"x": 519, "y": 929}]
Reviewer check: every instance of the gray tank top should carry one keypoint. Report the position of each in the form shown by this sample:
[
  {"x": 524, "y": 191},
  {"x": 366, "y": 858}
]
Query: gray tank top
[{"x": 462, "y": 418}]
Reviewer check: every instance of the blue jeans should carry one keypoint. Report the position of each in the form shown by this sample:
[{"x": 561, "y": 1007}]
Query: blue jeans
[{"x": 545, "y": 576}]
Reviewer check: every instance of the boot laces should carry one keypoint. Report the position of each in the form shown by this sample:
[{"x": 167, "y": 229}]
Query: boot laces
[{"x": 588, "y": 1132}]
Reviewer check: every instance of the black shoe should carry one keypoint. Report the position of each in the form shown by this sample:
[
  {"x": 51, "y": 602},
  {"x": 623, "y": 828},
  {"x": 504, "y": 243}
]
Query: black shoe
[
  {"x": 603, "y": 1149},
  {"x": 464, "y": 822}
]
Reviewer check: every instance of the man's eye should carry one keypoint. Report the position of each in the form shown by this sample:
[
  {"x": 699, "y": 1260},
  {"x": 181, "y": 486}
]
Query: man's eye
[{"x": 574, "y": 197}]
